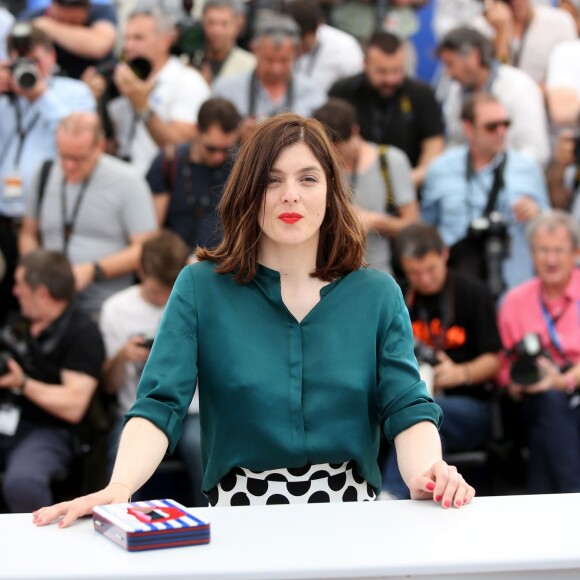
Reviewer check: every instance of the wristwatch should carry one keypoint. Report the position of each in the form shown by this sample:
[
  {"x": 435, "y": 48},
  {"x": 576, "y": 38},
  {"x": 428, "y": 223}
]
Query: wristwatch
[
  {"x": 145, "y": 115},
  {"x": 99, "y": 273},
  {"x": 20, "y": 389}
]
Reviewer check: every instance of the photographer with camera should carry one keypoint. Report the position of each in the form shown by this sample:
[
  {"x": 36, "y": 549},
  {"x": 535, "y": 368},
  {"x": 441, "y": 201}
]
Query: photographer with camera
[
  {"x": 547, "y": 306},
  {"x": 481, "y": 194},
  {"x": 32, "y": 102},
  {"x": 159, "y": 95},
  {"x": 456, "y": 337},
  {"x": 41, "y": 404}
]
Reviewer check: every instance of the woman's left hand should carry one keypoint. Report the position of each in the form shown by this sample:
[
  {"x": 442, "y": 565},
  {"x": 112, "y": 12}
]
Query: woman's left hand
[{"x": 444, "y": 484}]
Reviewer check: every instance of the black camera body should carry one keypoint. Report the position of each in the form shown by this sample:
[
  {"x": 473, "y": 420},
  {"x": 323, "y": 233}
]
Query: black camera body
[
  {"x": 13, "y": 345},
  {"x": 491, "y": 234},
  {"x": 141, "y": 68},
  {"x": 425, "y": 354},
  {"x": 524, "y": 355}
]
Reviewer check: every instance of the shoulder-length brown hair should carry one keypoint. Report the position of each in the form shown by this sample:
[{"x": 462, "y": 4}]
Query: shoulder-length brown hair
[{"x": 342, "y": 239}]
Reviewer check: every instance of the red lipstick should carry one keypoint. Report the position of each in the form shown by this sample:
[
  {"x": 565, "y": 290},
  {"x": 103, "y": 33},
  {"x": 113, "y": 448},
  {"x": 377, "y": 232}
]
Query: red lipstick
[{"x": 289, "y": 217}]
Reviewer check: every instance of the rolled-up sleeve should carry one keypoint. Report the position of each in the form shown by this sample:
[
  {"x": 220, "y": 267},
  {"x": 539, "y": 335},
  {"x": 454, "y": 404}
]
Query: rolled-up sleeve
[
  {"x": 402, "y": 395},
  {"x": 168, "y": 381}
]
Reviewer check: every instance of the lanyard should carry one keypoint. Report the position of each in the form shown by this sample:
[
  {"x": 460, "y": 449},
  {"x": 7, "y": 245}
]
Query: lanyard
[
  {"x": 314, "y": 53},
  {"x": 21, "y": 133},
  {"x": 288, "y": 101},
  {"x": 68, "y": 224},
  {"x": 551, "y": 324}
]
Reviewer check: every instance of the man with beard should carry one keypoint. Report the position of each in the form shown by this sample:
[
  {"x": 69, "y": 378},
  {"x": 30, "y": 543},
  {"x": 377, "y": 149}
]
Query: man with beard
[{"x": 391, "y": 108}]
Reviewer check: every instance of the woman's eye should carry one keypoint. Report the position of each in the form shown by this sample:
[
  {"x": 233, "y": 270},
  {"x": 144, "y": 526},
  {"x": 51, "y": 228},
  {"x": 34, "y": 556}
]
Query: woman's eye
[
  {"x": 273, "y": 179},
  {"x": 310, "y": 179}
]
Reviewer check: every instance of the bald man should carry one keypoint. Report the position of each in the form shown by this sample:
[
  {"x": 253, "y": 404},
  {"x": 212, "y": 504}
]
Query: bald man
[{"x": 92, "y": 206}]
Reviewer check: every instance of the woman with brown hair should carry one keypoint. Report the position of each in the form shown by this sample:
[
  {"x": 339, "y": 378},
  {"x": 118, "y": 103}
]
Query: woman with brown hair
[{"x": 302, "y": 354}]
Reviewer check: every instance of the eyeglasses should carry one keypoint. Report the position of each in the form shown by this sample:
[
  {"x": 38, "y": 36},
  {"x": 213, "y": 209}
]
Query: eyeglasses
[
  {"x": 78, "y": 158},
  {"x": 493, "y": 126},
  {"x": 557, "y": 251}
]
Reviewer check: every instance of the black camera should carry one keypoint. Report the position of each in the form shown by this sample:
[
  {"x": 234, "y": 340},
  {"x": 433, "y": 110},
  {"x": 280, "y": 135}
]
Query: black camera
[
  {"x": 491, "y": 233},
  {"x": 13, "y": 345},
  {"x": 190, "y": 41},
  {"x": 425, "y": 354},
  {"x": 147, "y": 340},
  {"x": 524, "y": 356},
  {"x": 140, "y": 66},
  {"x": 24, "y": 69}
]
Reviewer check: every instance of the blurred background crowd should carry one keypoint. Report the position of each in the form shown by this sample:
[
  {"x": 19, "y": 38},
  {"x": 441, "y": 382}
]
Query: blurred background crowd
[{"x": 457, "y": 125}]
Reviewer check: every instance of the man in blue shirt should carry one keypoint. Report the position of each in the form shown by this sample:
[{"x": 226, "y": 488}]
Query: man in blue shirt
[
  {"x": 459, "y": 186},
  {"x": 27, "y": 133}
]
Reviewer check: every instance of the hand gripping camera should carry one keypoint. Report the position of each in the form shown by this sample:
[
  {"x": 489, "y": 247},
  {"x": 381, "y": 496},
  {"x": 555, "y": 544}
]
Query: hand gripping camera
[{"x": 524, "y": 355}]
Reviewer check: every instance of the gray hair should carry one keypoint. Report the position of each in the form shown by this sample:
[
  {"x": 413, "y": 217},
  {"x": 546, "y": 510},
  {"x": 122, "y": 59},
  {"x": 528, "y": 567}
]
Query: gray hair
[
  {"x": 236, "y": 6},
  {"x": 277, "y": 27},
  {"x": 551, "y": 221},
  {"x": 164, "y": 22}
]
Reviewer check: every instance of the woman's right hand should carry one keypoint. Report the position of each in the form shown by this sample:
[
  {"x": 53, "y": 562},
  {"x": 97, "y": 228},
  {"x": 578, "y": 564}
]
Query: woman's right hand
[{"x": 81, "y": 506}]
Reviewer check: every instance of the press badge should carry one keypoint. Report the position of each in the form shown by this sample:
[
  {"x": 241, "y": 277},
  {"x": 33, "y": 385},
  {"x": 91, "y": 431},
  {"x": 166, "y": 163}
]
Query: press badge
[
  {"x": 9, "y": 419},
  {"x": 13, "y": 185}
]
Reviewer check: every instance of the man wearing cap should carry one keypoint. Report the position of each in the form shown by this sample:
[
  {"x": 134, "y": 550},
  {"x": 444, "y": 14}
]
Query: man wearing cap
[
  {"x": 29, "y": 114},
  {"x": 83, "y": 33}
]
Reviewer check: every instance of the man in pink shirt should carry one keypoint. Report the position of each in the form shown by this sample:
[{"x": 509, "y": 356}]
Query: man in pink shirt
[{"x": 549, "y": 306}]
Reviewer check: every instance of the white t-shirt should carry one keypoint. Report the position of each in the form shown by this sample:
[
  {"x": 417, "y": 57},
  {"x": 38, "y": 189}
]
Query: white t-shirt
[
  {"x": 549, "y": 27},
  {"x": 522, "y": 98},
  {"x": 336, "y": 55},
  {"x": 124, "y": 315},
  {"x": 564, "y": 67},
  {"x": 178, "y": 94}
]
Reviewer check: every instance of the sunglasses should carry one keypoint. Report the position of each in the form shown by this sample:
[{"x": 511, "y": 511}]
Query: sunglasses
[
  {"x": 493, "y": 126},
  {"x": 214, "y": 149}
]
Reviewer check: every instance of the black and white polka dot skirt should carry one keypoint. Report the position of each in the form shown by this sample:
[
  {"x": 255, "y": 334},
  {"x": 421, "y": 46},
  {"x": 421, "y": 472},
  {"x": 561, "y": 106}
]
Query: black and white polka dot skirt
[{"x": 327, "y": 482}]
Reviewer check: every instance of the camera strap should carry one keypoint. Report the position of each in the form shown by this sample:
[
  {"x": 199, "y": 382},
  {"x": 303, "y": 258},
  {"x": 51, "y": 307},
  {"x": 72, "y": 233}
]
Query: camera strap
[
  {"x": 288, "y": 101},
  {"x": 21, "y": 134},
  {"x": 68, "y": 224},
  {"x": 496, "y": 187}
]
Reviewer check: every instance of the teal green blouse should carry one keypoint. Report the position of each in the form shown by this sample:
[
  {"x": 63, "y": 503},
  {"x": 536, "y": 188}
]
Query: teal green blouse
[{"x": 278, "y": 393}]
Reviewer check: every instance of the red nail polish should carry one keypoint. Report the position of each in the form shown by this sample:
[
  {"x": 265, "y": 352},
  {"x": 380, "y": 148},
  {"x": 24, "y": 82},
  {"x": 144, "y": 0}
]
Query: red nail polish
[
  {"x": 458, "y": 503},
  {"x": 437, "y": 498},
  {"x": 446, "y": 504},
  {"x": 430, "y": 486}
]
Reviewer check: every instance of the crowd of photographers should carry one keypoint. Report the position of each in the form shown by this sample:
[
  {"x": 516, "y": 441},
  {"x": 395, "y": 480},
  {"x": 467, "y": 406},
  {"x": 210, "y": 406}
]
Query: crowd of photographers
[{"x": 118, "y": 126}]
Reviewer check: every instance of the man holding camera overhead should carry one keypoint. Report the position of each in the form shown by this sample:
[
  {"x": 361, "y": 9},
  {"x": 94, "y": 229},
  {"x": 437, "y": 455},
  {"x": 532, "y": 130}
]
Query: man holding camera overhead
[
  {"x": 32, "y": 102},
  {"x": 481, "y": 195},
  {"x": 546, "y": 309}
]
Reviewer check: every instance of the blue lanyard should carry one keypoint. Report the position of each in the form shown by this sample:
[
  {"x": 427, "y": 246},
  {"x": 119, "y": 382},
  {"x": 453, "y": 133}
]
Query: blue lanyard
[{"x": 551, "y": 324}]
